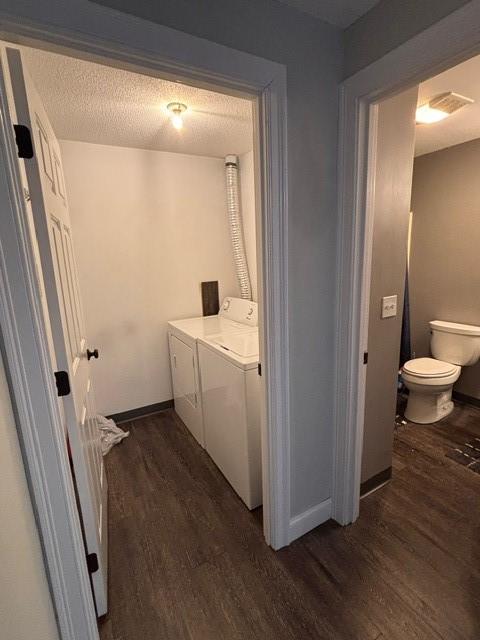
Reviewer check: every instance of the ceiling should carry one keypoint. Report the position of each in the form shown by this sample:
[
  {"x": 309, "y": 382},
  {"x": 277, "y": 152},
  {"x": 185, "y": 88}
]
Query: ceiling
[
  {"x": 341, "y": 13},
  {"x": 90, "y": 102},
  {"x": 462, "y": 126}
]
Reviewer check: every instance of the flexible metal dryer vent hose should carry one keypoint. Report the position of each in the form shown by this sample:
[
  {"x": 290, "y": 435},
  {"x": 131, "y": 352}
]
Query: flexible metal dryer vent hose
[{"x": 236, "y": 228}]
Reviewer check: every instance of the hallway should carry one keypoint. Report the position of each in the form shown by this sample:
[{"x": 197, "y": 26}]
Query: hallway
[{"x": 188, "y": 561}]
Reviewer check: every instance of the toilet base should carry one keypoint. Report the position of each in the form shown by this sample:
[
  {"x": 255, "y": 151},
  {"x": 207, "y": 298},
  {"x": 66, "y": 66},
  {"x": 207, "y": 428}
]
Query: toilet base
[{"x": 427, "y": 408}]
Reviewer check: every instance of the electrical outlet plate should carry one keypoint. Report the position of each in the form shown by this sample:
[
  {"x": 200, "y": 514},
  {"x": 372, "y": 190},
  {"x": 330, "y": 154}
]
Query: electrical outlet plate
[{"x": 389, "y": 306}]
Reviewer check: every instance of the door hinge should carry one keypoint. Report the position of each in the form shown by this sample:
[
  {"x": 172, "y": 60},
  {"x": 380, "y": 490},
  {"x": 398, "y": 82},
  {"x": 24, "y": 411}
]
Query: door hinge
[
  {"x": 365, "y": 357},
  {"x": 92, "y": 562},
  {"x": 23, "y": 138},
  {"x": 63, "y": 383},
  {"x": 259, "y": 368}
]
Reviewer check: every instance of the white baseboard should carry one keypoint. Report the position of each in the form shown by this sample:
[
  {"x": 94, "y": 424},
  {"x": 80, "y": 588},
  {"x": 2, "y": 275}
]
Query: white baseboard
[{"x": 309, "y": 519}]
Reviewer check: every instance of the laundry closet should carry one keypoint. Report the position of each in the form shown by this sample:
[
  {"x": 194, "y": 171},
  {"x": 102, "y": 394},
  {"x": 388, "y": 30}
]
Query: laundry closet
[{"x": 146, "y": 201}]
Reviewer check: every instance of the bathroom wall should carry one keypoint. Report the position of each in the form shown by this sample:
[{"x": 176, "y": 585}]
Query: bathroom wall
[
  {"x": 26, "y": 609},
  {"x": 444, "y": 262},
  {"x": 148, "y": 228},
  {"x": 393, "y": 181}
]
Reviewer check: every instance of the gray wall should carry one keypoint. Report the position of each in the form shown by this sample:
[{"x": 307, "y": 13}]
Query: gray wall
[
  {"x": 389, "y": 24},
  {"x": 311, "y": 51},
  {"x": 445, "y": 249},
  {"x": 393, "y": 182}
]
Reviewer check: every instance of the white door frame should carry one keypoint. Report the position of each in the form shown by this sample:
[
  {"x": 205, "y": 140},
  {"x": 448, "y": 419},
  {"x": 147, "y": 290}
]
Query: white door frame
[
  {"x": 104, "y": 35},
  {"x": 446, "y": 43}
]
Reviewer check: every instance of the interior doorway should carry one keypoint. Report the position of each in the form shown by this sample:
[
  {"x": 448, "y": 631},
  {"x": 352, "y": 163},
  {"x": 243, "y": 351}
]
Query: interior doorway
[
  {"x": 273, "y": 533},
  {"x": 140, "y": 216},
  {"x": 423, "y": 320},
  {"x": 361, "y": 123}
]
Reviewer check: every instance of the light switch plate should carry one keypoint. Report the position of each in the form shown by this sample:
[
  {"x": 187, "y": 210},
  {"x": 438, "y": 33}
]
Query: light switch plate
[{"x": 389, "y": 306}]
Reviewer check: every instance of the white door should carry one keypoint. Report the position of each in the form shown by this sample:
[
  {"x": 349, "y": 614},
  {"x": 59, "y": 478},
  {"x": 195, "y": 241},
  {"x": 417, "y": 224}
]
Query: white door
[{"x": 49, "y": 208}]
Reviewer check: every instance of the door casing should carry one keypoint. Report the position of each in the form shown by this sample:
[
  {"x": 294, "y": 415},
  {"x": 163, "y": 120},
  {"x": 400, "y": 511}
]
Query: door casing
[
  {"x": 95, "y": 33},
  {"x": 441, "y": 46}
]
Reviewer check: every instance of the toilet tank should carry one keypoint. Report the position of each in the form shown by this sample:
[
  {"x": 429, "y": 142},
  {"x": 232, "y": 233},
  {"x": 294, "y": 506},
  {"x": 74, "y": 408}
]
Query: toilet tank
[{"x": 455, "y": 343}]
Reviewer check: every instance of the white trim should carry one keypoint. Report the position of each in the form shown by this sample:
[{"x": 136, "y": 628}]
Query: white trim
[
  {"x": 448, "y": 42},
  {"x": 102, "y": 34},
  {"x": 276, "y": 460},
  {"x": 309, "y": 519}
]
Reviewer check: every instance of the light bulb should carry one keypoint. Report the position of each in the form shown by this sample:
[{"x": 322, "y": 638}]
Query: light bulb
[
  {"x": 176, "y": 109},
  {"x": 428, "y": 115},
  {"x": 177, "y": 121}
]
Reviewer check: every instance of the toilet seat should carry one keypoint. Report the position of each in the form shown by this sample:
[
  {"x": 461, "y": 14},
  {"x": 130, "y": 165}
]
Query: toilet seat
[
  {"x": 430, "y": 372},
  {"x": 429, "y": 368}
]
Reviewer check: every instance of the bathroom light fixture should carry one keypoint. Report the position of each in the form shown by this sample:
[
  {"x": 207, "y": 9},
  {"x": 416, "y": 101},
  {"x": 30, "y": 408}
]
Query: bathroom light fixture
[
  {"x": 176, "y": 109},
  {"x": 440, "y": 107}
]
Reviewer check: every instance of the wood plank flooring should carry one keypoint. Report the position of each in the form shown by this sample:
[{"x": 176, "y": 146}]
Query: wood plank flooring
[{"x": 188, "y": 561}]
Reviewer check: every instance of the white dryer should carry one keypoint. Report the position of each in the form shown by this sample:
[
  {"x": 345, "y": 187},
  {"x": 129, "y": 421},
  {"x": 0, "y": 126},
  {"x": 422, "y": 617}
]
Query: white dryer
[
  {"x": 235, "y": 315},
  {"x": 231, "y": 409}
]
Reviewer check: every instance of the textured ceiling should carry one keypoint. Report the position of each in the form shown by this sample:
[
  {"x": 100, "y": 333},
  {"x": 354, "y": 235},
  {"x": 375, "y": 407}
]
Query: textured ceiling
[
  {"x": 461, "y": 126},
  {"x": 338, "y": 12},
  {"x": 90, "y": 102}
]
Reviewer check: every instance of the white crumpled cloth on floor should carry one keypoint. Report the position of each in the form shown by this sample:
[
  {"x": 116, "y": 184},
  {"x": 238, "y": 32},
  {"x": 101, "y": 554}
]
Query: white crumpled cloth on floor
[{"x": 110, "y": 434}]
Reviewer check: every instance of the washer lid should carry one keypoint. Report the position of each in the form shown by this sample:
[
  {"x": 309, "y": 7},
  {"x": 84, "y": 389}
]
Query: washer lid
[
  {"x": 429, "y": 368},
  {"x": 241, "y": 344},
  {"x": 193, "y": 328}
]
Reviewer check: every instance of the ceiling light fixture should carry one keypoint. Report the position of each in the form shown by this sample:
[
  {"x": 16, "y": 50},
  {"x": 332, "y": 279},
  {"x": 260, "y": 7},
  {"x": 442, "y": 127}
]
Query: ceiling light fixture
[
  {"x": 440, "y": 107},
  {"x": 176, "y": 110}
]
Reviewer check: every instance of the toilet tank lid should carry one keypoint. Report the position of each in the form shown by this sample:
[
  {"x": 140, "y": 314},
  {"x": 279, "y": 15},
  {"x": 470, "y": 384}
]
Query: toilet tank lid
[{"x": 455, "y": 327}]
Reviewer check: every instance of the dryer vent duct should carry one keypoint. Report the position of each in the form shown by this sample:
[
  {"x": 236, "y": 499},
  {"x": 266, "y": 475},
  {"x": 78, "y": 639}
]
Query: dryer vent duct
[{"x": 236, "y": 228}]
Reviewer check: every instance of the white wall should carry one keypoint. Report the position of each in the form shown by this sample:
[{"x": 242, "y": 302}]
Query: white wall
[
  {"x": 148, "y": 228},
  {"x": 26, "y": 610},
  {"x": 247, "y": 195}
]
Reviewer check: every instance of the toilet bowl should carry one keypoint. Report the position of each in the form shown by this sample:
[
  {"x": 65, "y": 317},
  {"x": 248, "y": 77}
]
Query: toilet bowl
[
  {"x": 430, "y": 383},
  {"x": 430, "y": 380}
]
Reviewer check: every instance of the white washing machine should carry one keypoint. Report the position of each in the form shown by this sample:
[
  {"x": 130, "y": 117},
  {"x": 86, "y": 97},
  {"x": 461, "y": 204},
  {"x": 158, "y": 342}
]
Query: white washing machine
[
  {"x": 231, "y": 409},
  {"x": 235, "y": 316}
]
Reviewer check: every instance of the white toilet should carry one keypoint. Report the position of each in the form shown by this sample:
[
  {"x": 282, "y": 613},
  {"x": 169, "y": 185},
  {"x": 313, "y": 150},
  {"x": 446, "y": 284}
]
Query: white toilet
[{"x": 430, "y": 380}]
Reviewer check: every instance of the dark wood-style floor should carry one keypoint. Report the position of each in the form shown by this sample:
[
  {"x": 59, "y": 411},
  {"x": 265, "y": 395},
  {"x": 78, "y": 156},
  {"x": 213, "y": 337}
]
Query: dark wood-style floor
[{"x": 187, "y": 560}]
